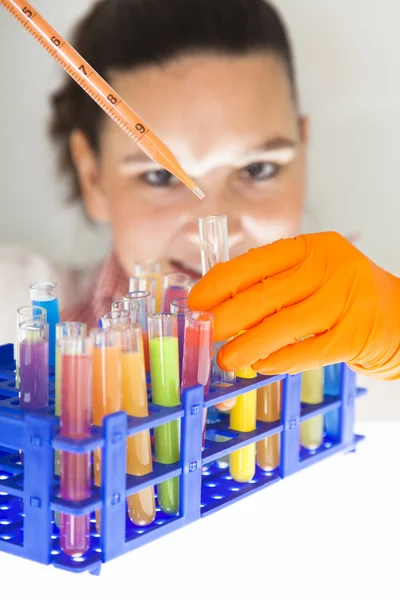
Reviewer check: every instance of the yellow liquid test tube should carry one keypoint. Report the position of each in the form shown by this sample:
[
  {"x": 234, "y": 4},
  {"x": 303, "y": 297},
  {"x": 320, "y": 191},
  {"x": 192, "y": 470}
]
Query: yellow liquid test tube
[
  {"x": 242, "y": 463},
  {"x": 141, "y": 506},
  {"x": 312, "y": 392},
  {"x": 269, "y": 411},
  {"x": 150, "y": 269}
]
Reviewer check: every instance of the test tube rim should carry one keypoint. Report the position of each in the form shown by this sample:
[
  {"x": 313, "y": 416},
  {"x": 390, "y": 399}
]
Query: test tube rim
[
  {"x": 40, "y": 309},
  {"x": 47, "y": 286}
]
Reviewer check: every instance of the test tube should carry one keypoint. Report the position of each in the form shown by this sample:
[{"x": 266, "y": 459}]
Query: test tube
[
  {"x": 269, "y": 400},
  {"x": 197, "y": 353},
  {"x": 332, "y": 385},
  {"x": 175, "y": 286},
  {"x": 129, "y": 305},
  {"x": 146, "y": 283},
  {"x": 214, "y": 249},
  {"x": 107, "y": 389},
  {"x": 26, "y": 313},
  {"x": 242, "y": 463},
  {"x": 164, "y": 369},
  {"x": 75, "y": 424},
  {"x": 141, "y": 506},
  {"x": 33, "y": 340},
  {"x": 179, "y": 308},
  {"x": 144, "y": 303},
  {"x": 63, "y": 330},
  {"x": 44, "y": 294},
  {"x": 121, "y": 318},
  {"x": 150, "y": 269},
  {"x": 312, "y": 392}
]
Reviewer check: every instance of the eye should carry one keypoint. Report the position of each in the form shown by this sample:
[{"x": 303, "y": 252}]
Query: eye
[
  {"x": 260, "y": 171},
  {"x": 159, "y": 178}
]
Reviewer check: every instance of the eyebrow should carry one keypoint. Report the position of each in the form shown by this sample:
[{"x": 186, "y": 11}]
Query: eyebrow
[{"x": 278, "y": 143}]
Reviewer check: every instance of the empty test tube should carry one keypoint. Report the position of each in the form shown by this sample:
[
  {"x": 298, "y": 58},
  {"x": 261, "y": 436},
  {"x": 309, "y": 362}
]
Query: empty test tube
[
  {"x": 141, "y": 506},
  {"x": 269, "y": 400},
  {"x": 75, "y": 424},
  {"x": 312, "y": 392},
  {"x": 214, "y": 249},
  {"x": 165, "y": 384}
]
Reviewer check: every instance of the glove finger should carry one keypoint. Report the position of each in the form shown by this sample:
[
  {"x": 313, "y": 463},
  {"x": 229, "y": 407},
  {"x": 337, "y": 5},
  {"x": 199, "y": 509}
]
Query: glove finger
[
  {"x": 225, "y": 280},
  {"x": 250, "y": 307},
  {"x": 313, "y": 353},
  {"x": 302, "y": 320}
]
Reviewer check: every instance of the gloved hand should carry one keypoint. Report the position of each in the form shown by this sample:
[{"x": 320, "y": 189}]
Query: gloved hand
[{"x": 305, "y": 303}]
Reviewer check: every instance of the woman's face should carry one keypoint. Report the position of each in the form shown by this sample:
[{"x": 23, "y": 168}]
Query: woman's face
[{"x": 232, "y": 125}]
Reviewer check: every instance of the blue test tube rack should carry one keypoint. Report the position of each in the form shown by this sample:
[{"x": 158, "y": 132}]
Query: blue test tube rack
[{"x": 29, "y": 492}]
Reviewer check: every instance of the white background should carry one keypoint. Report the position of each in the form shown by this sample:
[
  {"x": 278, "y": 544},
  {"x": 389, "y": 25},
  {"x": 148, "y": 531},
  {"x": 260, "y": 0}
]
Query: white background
[{"x": 348, "y": 57}]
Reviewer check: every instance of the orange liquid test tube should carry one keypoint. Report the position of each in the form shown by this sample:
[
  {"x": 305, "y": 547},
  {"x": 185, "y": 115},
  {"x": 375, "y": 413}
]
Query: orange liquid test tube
[
  {"x": 269, "y": 411},
  {"x": 141, "y": 506},
  {"x": 107, "y": 390}
]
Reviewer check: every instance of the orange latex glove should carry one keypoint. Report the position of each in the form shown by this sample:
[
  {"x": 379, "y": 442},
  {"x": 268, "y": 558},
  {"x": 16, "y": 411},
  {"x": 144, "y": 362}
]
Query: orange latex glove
[{"x": 315, "y": 285}]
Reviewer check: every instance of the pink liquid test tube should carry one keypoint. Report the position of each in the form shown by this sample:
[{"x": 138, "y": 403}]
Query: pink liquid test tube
[
  {"x": 180, "y": 309},
  {"x": 175, "y": 287},
  {"x": 75, "y": 422},
  {"x": 197, "y": 353}
]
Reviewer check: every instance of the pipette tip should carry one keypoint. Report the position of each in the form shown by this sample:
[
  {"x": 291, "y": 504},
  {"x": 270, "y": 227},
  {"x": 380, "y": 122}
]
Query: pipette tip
[{"x": 199, "y": 193}]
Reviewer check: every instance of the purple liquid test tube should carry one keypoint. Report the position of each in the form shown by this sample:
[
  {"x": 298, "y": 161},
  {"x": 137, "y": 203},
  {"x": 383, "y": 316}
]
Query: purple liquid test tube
[
  {"x": 175, "y": 287},
  {"x": 33, "y": 342}
]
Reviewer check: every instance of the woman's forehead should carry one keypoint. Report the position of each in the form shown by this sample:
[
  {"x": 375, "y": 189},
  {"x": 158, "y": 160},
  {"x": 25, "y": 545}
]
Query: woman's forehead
[{"x": 210, "y": 107}]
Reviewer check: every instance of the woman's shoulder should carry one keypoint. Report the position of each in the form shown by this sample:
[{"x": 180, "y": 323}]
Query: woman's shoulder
[{"x": 19, "y": 267}]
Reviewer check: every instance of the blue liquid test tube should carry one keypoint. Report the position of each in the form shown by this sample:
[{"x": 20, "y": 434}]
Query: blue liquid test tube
[
  {"x": 44, "y": 295},
  {"x": 332, "y": 384}
]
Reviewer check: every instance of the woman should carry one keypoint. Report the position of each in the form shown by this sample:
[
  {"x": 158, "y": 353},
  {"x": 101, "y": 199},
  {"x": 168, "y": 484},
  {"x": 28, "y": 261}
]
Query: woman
[{"x": 215, "y": 80}]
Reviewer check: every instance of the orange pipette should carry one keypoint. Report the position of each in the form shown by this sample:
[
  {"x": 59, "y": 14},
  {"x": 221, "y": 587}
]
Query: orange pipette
[{"x": 98, "y": 89}]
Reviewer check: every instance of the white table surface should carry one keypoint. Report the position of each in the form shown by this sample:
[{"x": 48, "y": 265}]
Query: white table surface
[{"x": 331, "y": 531}]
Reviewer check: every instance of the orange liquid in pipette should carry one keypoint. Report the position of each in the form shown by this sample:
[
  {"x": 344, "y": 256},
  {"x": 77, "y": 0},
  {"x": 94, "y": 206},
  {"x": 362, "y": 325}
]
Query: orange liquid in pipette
[
  {"x": 97, "y": 88},
  {"x": 141, "y": 506},
  {"x": 106, "y": 397}
]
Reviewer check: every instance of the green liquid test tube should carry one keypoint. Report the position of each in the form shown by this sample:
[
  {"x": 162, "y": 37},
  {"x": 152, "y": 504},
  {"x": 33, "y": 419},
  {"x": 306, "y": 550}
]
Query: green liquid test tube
[
  {"x": 63, "y": 330},
  {"x": 165, "y": 385}
]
